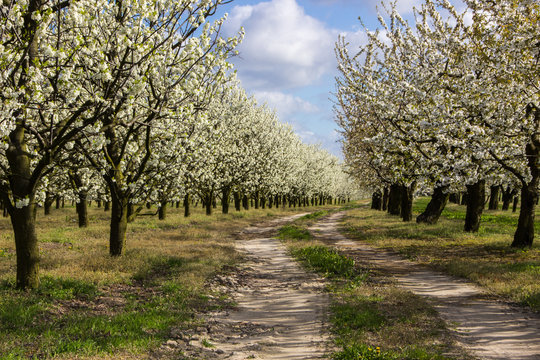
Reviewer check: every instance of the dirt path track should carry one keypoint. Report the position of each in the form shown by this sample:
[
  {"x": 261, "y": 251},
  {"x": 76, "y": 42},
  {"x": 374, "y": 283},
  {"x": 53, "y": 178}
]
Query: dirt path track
[
  {"x": 490, "y": 329},
  {"x": 280, "y": 308}
]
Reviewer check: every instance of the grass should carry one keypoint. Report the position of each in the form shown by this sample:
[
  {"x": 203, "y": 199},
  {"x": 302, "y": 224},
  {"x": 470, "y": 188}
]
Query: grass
[
  {"x": 370, "y": 317},
  {"x": 92, "y": 306},
  {"x": 485, "y": 257}
]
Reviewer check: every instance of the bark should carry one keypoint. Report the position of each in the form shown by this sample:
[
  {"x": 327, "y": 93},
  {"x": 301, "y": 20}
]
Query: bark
[
  {"x": 256, "y": 199},
  {"x": 47, "y": 205},
  {"x": 245, "y": 202},
  {"x": 515, "y": 204},
  {"x": 130, "y": 212},
  {"x": 237, "y": 201},
  {"x": 407, "y": 196},
  {"x": 107, "y": 206},
  {"x": 208, "y": 202},
  {"x": 507, "y": 197},
  {"x": 24, "y": 225},
  {"x": 187, "y": 203},
  {"x": 162, "y": 212},
  {"x": 119, "y": 220},
  {"x": 386, "y": 192},
  {"x": 270, "y": 201},
  {"x": 476, "y": 195},
  {"x": 494, "y": 197},
  {"x": 225, "y": 195},
  {"x": 394, "y": 200},
  {"x": 524, "y": 235},
  {"x": 464, "y": 198},
  {"x": 435, "y": 206},
  {"x": 57, "y": 199},
  {"x": 376, "y": 200},
  {"x": 82, "y": 209},
  {"x": 263, "y": 202}
]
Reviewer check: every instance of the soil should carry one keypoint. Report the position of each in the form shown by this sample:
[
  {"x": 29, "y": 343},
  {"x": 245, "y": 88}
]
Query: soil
[
  {"x": 488, "y": 328},
  {"x": 280, "y": 309},
  {"x": 279, "y": 312}
]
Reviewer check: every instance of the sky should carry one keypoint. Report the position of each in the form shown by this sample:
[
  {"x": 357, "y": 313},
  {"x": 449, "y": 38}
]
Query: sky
[{"x": 287, "y": 56}]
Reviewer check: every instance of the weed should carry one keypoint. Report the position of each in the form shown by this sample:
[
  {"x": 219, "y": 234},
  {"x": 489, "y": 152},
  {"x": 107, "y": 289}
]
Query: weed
[
  {"x": 293, "y": 232},
  {"x": 326, "y": 261}
]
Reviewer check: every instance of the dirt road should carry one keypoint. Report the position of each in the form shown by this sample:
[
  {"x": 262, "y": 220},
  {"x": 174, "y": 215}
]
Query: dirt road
[{"x": 489, "y": 329}]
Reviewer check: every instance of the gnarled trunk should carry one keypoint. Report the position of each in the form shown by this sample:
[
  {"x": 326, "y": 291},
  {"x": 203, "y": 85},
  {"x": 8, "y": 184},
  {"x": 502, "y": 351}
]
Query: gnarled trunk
[
  {"x": 376, "y": 200},
  {"x": 407, "y": 193},
  {"x": 494, "y": 197},
  {"x": 435, "y": 207},
  {"x": 394, "y": 200},
  {"x": 225, "y": 194},
  {"x": 476, "y": 194}
]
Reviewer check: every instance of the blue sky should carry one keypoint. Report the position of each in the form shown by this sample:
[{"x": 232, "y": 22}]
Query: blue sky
[{"x": 287, "y": 56}]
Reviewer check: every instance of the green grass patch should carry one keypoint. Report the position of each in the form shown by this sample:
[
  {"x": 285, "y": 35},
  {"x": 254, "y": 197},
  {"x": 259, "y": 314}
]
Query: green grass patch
[
  {"x": 314, "y": 215},
  {"x": 293, "y": 232},
  {"x": 484, "y": 257},
  {"x": 326, "y": 261}
]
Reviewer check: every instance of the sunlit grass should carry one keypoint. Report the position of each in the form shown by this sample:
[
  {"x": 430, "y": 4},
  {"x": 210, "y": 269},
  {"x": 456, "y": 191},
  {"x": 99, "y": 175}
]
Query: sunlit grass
[
  {"x": 485, "y": 257},
  {"x": 93, "y": 306}
]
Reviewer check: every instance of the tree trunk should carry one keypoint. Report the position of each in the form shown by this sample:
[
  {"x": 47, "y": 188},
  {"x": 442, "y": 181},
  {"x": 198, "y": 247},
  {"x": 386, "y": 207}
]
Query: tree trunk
[
  {"x": 435, "y": 206},
  {"x": 476, "y": 195},
  {"x": 107, "y": 206},
  {"x": 23, "y": 221},
  {"x": 263, "y": 202},
  {"x": 524, "y": 235},
  {"x": 407, "y": 196},
  {"x": 162, "y": 212},
  {"x": 494, "y": 197},
  {"x": 47, "y": 205},
  {"x": 376, "y": 200},
  {"x": 256, "y": 199},
  {"x": 57, "y": 199},
  {"x": 208, "y": 202},
  {"x": 82, "y": 209},
  {"x": 237, "y": 201},
  {"x": 515, "y": 204},
  {"x": 225, "y": 194},
  {"x": 187, "y": 203},
  {"x": 270, "y": 201},
  {"x": 245, "y": 202},
  {"x": 386, "y": 192},
  {"x": 394, "y": 200},
  {"x": 507, "y": 197},
  {"x": 130, "y": 212},
  {"x": 464, "y": 198},
  {"x": 119, "y": 220}
]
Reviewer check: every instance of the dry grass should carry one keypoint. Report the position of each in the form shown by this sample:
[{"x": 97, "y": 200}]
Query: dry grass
[
  {"x": 93, "y": 306},
  {"x": 485, "y": 258}
]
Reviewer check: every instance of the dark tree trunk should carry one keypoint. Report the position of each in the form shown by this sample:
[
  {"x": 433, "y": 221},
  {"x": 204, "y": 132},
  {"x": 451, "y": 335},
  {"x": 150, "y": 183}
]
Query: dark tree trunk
[
  {"x": 119, "y": 220},
  {"x": 23, "y": 221},
  {"x": 107, "y": 206},
  {"x": 47, "y": 205},
  {"x": 237, "y": 201},
  {"x": 507, "y": 196},
  {"x": 245, "y": 202},
  {"x": 407, "y": 196},
  {"x": 162, "y": 212},
  {"x": 130, "y": 212},
  {"x": 435, "y": 206},
  {"x": 464, "y": 198},
  {"x": 394, "y": 200},
  {"x": 376, "y": 200},
  {"x": 494, "y": 197},
  {"x": 263, "y": 202},
  {"x": 524, "y": 235},
  {"x": 256, "y": 199},
  {"x": 225, "y": 194},
  {"x": 214, "y": 202},
  {"x": 270, "y": 201},
  {"x": 57, "y": 199},
  {"x": 99, "y": 204},
  {"x": 208, "y": 200},
  {"x": 476, "y": 194},
  {"x": 386, "y": 192},
  {"x": 187, "y": 204},
  {"x": 515, "y": 204},
  {"x": 82, "y": 209}
]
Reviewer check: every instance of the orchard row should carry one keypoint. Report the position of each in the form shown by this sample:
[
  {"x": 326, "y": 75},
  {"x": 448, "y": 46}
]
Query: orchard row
[
  {"x": 448, "y": 105},
  {"x": 135, "y": 102}
]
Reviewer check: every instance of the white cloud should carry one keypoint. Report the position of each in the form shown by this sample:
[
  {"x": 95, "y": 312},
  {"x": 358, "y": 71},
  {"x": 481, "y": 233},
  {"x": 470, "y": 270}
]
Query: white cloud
[
  {"x": 285, "y": 104},
  {"x": 283, "y": 46}
]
